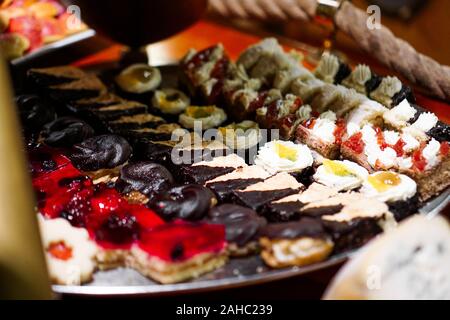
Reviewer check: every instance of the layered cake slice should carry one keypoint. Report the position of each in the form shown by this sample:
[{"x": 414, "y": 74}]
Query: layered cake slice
[
  {"x": 203, "y": 171},
  {"x": 357, "y": 223},
  {"x": 223, "y": 186},
  {"x": 86, "y": 87},
  {"x": 323, "y": 134},
  {"x": 69, "y": 252},
  {"x": 177, "y": 251},
  {"x": 275, "y": 187},
  {"x": 115, "y": 111},
  {"x": 296, "y": 243},
  {"x": 288, "y": 208},
  {"x": 138, "y": 121},
  {"x": 45, "y": 77},
  {"x": 161, "y": 132}
]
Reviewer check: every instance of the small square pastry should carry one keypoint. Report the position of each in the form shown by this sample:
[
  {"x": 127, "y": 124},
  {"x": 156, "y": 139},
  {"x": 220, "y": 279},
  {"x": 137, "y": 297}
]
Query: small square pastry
[
  {"x": 203, "y": 171},
  {"x": 115, "y": 111},
  {"x": 69, "y": 252},
  {"x": 357, "y": 223},
  {"x": 298, "y": 243},
  {"x": 45, "y": 77},
  {"x": 286, "y": 156},
  {"x": 289, "y": 208},
  {"x": 242, "y": 226},
  {"x": 161, "y": 132},
  {"x": 87, "y": 87},
  {"x": 179, "y": 251},
  {"x": 390, "y": 92},
  {"x": 323, "y": 134},
  {"x": 275, "y": 187},
  {"x": 224, "y": 185},
  {"x": 138, "y": 121}
]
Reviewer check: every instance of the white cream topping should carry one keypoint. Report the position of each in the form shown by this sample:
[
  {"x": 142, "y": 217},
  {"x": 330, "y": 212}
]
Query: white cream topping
[
  {"x": 425, "y": 122},
  {"x": 400, "y": 114},
  {"x": 79, "y": 267},
  {"x": 406, "y": 189},
  {"x": 352, "y": 128},
  {"x": 391, "y": 137},
  {"x": 367, "y": 112},
  {"x": 431, "y": 152},
  {"x": 290, "y": 250},
  {"x": 387, "y": 157},
  {"x": 354, "y": 178},
  {"x": 272, "y": 159},
  {"x": 411, "y": 143},
  {"x": 324, "y": 129},
  {"x": 404, "y": 163}
]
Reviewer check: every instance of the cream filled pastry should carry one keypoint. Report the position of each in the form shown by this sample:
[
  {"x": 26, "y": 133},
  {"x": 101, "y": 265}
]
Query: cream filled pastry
[
  {"x": 243, "y": 135},
  {"x": 284, "y": 156},
  {"x": 208, "y": 117},
  {"x": 389, "y": 186},
  {"x": 170, "y": 101},
  {"x": 343, "y": 175},
  {"x": 69, "y": 251}
]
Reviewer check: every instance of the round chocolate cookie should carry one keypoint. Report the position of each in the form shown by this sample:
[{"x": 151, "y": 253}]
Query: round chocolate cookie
[
  {"x": 100, "y": 152},
  {"x": 241, "y": 223},
  {"x": 148, "y": 178},
  {"x": 187, "y": 202},
  {"x": 66, "y": 131},
  {"x": 34, "y": 111},
  {"x": 306, "y": 227}
]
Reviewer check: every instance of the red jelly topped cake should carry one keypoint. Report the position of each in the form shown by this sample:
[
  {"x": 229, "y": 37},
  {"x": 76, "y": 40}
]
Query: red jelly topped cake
[
  {"x": 43, "y": 160},
  {"x": 179, "y": 251}
]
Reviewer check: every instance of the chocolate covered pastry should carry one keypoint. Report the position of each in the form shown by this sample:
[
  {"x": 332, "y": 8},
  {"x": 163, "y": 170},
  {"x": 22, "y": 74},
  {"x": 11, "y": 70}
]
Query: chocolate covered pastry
[
  {"x": 66, "y": 131},
  {"x": 34, "y": 112},
  {"x": 241, "y": 226},
  {"x": 138, "y": 121},
  {"x": 115, "y": 111},
  {"x": 55, "y": 75},
  {"x": 149, "y": 179},
  {"x": 86, "y": 87},
  {"x": 188, "y": 202},
  {"x": 296, "y": 243},
  {"x": 101, "y": 156}
]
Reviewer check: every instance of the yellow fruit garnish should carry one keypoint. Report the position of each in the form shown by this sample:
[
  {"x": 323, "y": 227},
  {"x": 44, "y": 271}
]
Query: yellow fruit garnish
[
  {"x": 285, "y": 152},
  {"x": 383, "y": 181},
  {"x": 336, "y": 168},
  {"x": 199, "y": 112}
]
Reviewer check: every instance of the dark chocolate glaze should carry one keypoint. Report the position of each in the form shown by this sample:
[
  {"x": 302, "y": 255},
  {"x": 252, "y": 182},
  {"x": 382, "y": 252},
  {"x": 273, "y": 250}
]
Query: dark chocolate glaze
[
  {"x": 403, "y": 209},
  {"x": 322, "y": 211},
  {"x": 46, "y": 79},
  {"x": 256, "y": 199},
  {"x": 147, "y": 150},
  {"x": 305, "y": 176},
  {"x": 146, "y": 177},
  {"x": 34, "y": 111},
  {"x": 405, "y": 93},
  {"x": 100, "y": 152},
  {"x": 282, "y": 212},
  {"x": 66, "y": 131},
  {"x": 241, "y": 224},
  {"x": 373, "y": 83},
  {"x": 224, "y": 189},
  {"x": 305, "y": 227},
  {"x": 440, "y": 132},
  {"x": 343, "y": 72},
  {"x": 353, "y": 234},
  {"x": 189, "y": 202},
  {"x": 200, "y": 174}
]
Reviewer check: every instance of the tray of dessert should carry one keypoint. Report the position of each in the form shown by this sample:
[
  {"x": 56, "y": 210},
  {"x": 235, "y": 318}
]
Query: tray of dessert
[
  {"x": 216, "y": 173},
  {"x": 32, "y": 28}
]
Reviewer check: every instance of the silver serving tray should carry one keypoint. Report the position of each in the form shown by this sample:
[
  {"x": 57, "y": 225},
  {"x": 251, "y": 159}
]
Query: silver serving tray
[{"x": 236, "y": 273}]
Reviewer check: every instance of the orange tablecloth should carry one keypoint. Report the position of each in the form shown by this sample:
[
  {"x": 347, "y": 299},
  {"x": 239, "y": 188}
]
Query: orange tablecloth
[{"x": 206, "y": 33}]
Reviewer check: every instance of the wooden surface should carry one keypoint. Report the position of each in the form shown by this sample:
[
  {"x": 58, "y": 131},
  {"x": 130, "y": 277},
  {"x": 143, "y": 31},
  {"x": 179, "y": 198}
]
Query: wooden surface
[{"x": 199, "y": 36}]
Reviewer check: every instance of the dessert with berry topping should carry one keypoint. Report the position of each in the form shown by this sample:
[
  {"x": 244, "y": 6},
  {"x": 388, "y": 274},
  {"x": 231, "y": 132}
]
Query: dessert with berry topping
[{"x": 179, "y": 251}]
